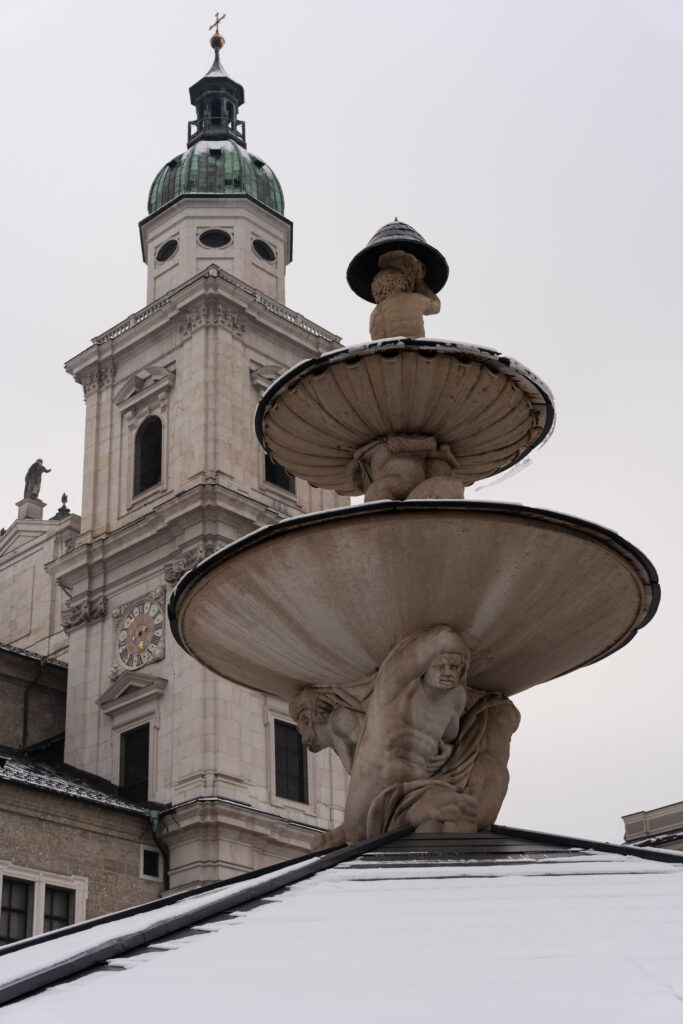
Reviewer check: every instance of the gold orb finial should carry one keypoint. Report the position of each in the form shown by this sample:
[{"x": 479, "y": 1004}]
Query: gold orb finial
[{"x": 217, "y": 41}]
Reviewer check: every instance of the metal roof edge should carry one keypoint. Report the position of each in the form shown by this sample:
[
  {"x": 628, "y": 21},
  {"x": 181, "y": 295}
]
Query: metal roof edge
[
  {"x": 623, "y": 849},
  {"x": 281, "y": 876},
  {"x": 46, "y": 659}
]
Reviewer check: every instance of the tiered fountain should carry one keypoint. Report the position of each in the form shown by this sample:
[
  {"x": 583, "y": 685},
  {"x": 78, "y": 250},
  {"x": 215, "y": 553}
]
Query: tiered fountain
[{"x": 399, "y": 628}]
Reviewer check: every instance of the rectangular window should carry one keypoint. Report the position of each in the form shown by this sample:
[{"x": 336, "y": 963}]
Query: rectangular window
[
  {"x": 291, "y": 777},
  {"x": 150, "y": 863},
  {"x": 275, "y": 474},
  {"x": 134, "y": 777},
  {"x": 16, "y": 916},
  {"x": 59, "y": 908}
]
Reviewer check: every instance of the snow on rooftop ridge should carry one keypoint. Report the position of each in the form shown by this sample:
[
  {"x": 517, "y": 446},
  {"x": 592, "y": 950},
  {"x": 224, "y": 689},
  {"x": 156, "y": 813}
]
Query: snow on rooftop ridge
[{"x": 41, "y": 776}]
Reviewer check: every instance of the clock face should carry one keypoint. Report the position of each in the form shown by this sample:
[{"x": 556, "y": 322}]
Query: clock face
[{"x": 139, "y": 637}]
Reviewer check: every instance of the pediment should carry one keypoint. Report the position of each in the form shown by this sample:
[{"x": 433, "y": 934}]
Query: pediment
[
  {"x": 149, "y": 380},
  {"x": 131, "y": 688},
  {"x": 25, "y": 533}
]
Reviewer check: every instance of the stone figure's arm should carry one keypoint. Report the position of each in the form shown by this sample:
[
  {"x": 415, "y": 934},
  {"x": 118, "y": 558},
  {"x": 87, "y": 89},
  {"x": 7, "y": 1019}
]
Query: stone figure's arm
[
  {"x": 489, "y": 778},
  {"x": 345, "y": 726},
  {"x": 433, "y": 305},
  {"x": 411, "y": 658}
]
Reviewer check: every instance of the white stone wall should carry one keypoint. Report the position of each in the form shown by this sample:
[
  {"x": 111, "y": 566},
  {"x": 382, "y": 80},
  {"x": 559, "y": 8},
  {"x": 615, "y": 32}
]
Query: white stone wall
[
  {"x": 195, "y": 363},
  {"x": 32, "y": 603},
  {"x": 244, "y": 220}
]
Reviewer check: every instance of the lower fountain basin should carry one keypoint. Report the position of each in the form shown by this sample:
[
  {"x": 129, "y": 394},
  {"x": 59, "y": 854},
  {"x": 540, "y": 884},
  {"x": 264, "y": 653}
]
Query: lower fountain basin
[{"x": 321, "y": 599}]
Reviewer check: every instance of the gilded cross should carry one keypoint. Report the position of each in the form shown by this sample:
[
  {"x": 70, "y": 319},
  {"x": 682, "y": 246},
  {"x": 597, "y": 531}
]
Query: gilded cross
[{"x": 216, "y": 22}]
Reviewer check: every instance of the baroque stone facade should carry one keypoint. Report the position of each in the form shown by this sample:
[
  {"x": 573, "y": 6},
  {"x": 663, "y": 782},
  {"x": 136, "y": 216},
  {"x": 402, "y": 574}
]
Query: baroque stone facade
[{"x": 172, "y": 472}]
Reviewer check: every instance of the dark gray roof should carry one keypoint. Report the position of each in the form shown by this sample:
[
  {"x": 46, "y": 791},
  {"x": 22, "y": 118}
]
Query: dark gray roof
[
  {"x": 31, "y": 655},
  {"x": 66, "y": 782}
]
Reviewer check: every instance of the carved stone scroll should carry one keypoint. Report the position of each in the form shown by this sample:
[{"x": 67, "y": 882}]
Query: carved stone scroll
[
  {"x": 83, "y": 611},
  {"x": 183, "y": 561},
  {"x": 210, "y": 313},
  {"x": 96, "y": 378}
]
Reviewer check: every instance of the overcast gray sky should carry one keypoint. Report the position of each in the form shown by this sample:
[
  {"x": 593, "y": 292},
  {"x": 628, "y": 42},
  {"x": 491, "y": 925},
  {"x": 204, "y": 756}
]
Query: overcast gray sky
[{"x": 536, "y": 143}]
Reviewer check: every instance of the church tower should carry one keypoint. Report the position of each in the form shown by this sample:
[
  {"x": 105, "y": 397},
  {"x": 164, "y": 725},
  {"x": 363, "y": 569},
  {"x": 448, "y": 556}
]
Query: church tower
[{"x": 172, "y": 472}]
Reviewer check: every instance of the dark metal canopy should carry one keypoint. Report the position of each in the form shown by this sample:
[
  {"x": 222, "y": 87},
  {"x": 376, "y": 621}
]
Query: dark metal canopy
[{"x": 395, "y": 235}]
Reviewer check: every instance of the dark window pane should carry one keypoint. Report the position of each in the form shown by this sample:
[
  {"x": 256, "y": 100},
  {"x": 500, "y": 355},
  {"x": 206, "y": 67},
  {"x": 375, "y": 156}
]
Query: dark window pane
[
  {"x": 150, "y": 863},
  {"x": 262, "y": 249},
  {"x": 215, "y": 239},
  {"x": 275, "y": 474},
  {"x": 17, "y": 910},
  {"x": 135, "y": 763},
  {"x": 291, "y": 777},
  {"x": 147, "y": 455},
  {"x": 59, "y": 908},
  {"x": 167, "y": 250}
]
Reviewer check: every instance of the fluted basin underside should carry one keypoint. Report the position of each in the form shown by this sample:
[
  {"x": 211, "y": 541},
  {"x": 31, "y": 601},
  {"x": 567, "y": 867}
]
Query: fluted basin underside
[
  {"x": 490, "y": 411},
  {"x": 321, "y": 599}
]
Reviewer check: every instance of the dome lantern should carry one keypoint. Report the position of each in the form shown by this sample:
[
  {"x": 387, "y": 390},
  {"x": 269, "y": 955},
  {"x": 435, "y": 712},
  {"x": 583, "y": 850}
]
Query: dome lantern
[
  {"x": 216, "y": 161},
  {"x": 216, "y": 203},
  {"x": 217, "y": 99}
]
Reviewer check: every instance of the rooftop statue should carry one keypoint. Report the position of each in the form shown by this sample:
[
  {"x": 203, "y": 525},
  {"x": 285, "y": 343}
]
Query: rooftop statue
[{"x": 33, "y": 479}]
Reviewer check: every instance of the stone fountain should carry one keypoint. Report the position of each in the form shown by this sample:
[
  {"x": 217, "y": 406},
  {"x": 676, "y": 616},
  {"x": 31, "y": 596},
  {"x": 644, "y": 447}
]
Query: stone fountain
[{"x": 398, "y": 629}]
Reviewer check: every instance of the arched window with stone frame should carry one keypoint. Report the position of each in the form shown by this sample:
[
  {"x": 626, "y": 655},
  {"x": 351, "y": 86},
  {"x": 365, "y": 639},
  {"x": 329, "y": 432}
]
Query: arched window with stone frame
[{"x": 148, "y": 446}]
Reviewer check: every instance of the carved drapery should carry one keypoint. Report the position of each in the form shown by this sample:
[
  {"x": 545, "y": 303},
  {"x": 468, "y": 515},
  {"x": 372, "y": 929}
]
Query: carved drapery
[{"x": 83, "y": 611}]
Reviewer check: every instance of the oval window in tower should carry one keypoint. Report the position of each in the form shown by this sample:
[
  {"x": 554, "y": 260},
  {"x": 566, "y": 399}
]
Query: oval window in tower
[
  {"x": 165, "y": 251},
  {"x": 215, "y": 238},
  {"x": 262, "y": 249}
]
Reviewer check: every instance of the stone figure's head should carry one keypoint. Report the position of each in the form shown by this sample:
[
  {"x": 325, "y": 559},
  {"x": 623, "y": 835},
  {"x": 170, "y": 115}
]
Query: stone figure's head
[
  {"x": 311, "y": 712},
  {"x": 398, "y": 272},
  {"x": 448, "y": 669}
]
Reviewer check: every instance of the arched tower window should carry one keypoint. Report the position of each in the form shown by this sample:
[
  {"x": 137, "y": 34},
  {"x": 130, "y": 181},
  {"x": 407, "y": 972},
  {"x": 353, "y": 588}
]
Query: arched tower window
[
  {"x": 147, "y": 455},
  {"x": 216, "y": 112}
]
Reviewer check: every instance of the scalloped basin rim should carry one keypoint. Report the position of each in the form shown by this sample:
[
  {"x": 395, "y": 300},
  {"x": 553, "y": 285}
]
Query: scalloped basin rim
[
  {"x": 320, "y": 599},
  {"x": 386, "y": 347}
]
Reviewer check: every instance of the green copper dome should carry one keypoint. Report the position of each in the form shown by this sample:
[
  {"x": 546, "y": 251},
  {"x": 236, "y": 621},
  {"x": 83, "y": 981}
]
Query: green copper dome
[
  {"x": 216, "y": 167},
  {"x": 217, "y": 162}
]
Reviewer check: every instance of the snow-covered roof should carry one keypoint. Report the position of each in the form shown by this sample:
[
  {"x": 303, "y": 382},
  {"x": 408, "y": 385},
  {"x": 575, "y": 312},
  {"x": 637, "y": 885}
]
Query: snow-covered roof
[
  {"x": 64, "y": 782},
  {"x": 498, "y": 926}
]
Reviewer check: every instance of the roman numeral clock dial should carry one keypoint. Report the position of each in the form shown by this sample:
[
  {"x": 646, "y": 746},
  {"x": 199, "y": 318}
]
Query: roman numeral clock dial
[{"x": 139, "y": 637}]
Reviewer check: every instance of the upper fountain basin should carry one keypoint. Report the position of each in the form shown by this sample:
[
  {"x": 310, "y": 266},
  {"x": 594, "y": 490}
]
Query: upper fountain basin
[{"x": 487, "y": 410}]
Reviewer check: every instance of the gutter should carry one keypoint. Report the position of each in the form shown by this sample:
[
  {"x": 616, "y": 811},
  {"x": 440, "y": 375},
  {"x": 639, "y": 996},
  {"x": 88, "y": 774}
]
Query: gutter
[
  {"x": 163, "y": 848},
  {"x": 27, "y": 691}
]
